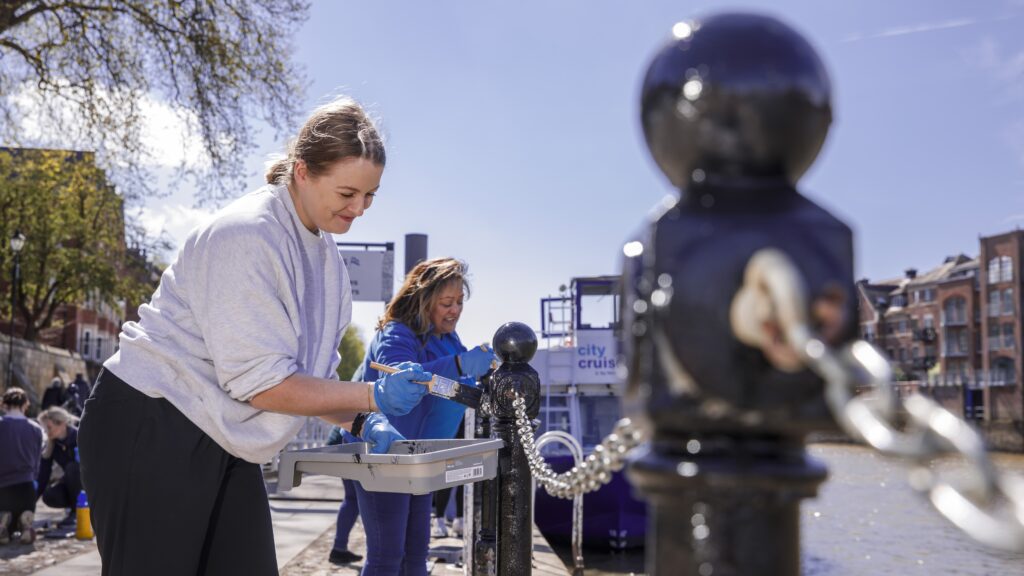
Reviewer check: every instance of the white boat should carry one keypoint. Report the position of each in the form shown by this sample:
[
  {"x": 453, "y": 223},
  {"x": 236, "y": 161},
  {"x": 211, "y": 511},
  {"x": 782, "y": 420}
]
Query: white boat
[{"x": 581, "y": 394}]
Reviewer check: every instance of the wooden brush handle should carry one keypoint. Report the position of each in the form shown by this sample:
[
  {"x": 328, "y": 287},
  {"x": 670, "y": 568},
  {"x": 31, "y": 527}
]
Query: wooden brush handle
[{"x": 391, "y": 370}]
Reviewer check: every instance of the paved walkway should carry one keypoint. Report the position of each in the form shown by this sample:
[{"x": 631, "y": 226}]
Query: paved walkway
[{"x": 303, "y": 531}]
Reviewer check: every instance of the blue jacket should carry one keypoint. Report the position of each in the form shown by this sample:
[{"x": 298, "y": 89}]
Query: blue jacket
[{"x": 433, "y": 417}]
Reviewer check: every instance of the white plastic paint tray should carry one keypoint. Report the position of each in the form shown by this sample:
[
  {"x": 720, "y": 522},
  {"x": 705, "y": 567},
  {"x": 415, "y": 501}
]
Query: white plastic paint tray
[{"x": 409, "y": 467}]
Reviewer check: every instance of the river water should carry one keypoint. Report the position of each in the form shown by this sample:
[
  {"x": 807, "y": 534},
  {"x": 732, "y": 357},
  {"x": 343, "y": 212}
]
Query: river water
[{"x": 867, "y": 521}]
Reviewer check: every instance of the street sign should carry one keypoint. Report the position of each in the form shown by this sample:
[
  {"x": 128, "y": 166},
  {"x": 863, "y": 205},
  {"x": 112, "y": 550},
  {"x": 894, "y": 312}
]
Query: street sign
[{"x": 371, "y": 272}]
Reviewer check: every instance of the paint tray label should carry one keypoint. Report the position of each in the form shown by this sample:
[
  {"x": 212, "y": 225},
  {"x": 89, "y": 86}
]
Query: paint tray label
[{"x": 462, "y": 469}]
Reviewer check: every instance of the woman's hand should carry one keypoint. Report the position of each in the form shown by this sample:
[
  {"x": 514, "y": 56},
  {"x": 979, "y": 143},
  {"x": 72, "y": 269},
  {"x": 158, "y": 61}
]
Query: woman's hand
[
  {"x": 396, "y": 394},
  {"x": 477, "y": 362},
  {"x": 379, "y": 433}
]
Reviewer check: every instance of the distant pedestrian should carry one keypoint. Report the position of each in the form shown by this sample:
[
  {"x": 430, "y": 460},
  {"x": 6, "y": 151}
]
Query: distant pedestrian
[
  {"x": 21, "y": 444},
  {"x": 55, "y": 394},
  {"x": 78, "y": 393},
  {"x": 61, "y": 442}
]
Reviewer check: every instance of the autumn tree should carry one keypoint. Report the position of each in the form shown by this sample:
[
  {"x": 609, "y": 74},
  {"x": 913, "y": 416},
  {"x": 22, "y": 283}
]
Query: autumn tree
[
  {"x": 86, "y": 73},
  {"x": 74, "y": 228},
  {"x": 351, "y": 350}
]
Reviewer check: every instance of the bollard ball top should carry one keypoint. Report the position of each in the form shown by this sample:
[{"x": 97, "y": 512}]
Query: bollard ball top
[
  {"x": 515, "y": 342},
  {"x": 735, "y": 99}
]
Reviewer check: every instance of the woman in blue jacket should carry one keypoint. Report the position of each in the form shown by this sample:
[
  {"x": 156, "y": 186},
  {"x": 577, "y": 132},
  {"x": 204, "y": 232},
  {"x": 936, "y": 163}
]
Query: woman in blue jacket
[{"x": 418, "y": 326}]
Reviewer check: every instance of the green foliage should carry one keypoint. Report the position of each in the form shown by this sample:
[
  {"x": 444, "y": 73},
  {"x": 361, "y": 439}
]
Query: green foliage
[
  {"x": 74, "y": 229},
  {"x": 86, "y": 74},
  {"x": 352, "y": 349}
]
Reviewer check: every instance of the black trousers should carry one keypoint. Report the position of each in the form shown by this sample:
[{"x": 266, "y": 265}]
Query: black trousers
[
  {"x": 165, "y": 499},
  {"x": 64, "y": 493},
  {"x": 18, "y": 498}
]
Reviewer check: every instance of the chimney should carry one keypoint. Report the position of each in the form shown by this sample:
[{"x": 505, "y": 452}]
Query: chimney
[{"x": 911, "y": 273}]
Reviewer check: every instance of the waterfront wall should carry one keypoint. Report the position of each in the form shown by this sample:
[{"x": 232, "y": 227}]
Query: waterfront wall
[
  {"x": 35, "y": 365},
  {"x": 1003, "y": 436}
]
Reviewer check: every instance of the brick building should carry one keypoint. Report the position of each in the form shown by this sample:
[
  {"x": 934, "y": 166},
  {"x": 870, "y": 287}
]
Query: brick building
[{"x": 953, "y": 332}]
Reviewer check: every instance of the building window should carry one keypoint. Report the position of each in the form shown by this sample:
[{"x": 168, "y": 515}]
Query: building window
[
  {"x": 86, "y": 338},
  {"x": 902, "y": 326},
  {"x": 954, "y": 311},
  {"x": 955, "y": 342},
  {"x": 1008, "y": 339},
  {"x": 903, "y": 355},
  {"x": 1003, "y": 372},
  {"x": 1000, "y": 269},
  {"x": 99, "y": 347},
  {"x": 993, "y": 336},
  {"x": 929, "y": 321},
  {"x": 994, "y": 303},
  {"x": 929, "y": 294},
  {"x": 1008, "y": 302}
]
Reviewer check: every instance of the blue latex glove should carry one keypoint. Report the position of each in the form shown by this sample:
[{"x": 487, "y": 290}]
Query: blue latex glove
[
  {"x": 477, "y": 362},
  {"x": 379, "y": 433},
  {"x": 348, "y": 438},
  {"x": 395, "y": 394}
]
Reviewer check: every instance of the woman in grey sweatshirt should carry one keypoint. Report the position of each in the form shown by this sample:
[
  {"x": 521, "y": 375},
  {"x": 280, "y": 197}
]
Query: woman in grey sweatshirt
[{"x": 238, "y": 342}]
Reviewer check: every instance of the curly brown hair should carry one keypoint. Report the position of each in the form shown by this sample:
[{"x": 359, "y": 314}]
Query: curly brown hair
[
  {"x": 15, "y": 397},
  {"x": 411, "y": 305}
]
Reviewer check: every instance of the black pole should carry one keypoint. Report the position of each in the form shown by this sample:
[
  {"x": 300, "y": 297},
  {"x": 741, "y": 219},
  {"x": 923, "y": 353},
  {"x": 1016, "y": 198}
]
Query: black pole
[
  {"x": 734, "y": 110},
  {"x": 515, "y": 343},
  {"x": 415, "y": 250},
  {"x": 485, "y": 506},
  {"x": 14, "y": 302}
]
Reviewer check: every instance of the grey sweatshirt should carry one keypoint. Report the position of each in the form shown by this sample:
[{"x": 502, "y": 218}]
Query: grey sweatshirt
[{"x": 252, "y": 298}]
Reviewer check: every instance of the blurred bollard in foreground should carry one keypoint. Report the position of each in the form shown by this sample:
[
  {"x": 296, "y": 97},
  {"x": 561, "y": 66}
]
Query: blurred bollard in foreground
[{"x": 734, "y": 109}]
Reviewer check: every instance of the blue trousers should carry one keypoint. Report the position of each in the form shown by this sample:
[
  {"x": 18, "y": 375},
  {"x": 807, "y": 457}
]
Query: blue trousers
[
  {"x": 397, "y": 532},
  {"x": 347, "y": 514}
]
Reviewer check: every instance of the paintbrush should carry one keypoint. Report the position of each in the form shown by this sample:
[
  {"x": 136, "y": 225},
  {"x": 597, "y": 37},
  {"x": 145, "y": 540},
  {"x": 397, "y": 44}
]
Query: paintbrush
[{"x": 443, "y": 387}]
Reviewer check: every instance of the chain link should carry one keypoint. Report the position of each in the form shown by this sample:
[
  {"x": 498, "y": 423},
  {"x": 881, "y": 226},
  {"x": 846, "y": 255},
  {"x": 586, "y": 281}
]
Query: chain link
[
  {"x": 988, "y": 505},
  {"x": 609, "y": 456}
]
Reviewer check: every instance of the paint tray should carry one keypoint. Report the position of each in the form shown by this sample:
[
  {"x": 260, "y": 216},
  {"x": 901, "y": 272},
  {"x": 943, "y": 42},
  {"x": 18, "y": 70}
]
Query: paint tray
[{"x": 409, "y": 467}]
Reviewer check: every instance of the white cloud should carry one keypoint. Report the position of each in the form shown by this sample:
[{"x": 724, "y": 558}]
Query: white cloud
[
  {"x": 165, "y": 135},
  {"x": 175, "y": 220}
]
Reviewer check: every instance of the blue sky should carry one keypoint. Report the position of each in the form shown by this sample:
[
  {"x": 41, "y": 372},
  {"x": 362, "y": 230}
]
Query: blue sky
[{"x": 514, "y": 139}]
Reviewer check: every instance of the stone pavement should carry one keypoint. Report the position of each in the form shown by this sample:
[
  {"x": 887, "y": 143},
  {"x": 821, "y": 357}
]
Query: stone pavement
[{"x": 303, "y": 520}]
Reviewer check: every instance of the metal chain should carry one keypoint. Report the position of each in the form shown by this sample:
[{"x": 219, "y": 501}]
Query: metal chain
[
  {"x": 609, "y": 456},
  {"x": 988, "y": 506}
]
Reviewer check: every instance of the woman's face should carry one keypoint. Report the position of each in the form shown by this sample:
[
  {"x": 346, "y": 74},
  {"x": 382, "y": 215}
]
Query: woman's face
[
  {"x": 334, "y": 199},
  {"x": 447, "y": 307},
  {"x": 55, "y": 431}
]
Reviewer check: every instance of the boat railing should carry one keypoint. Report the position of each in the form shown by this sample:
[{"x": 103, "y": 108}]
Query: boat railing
[{"x": 566, "y": 439}]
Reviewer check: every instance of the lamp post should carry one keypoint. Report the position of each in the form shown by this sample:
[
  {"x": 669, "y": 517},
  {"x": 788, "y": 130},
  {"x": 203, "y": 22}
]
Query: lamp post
[{"x": 17, "y": 243}]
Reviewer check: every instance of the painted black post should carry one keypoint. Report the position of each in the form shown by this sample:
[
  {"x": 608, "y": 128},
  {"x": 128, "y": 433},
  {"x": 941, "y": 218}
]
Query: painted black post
[
  {"x": 734, "y": 109},
  {"x": 485, "y": 504},
  {"x": 515, "y": 343}
]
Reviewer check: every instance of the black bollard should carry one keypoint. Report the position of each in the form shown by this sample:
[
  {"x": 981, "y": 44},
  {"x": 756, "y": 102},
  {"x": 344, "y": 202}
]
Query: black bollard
[
  {"x": 485, "y": 503},
  {"x": 734, "y": 110},
  {"x": 515, "y": 343}
]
